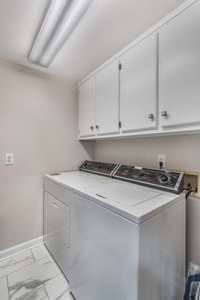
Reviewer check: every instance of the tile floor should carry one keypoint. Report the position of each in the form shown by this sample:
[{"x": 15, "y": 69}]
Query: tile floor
[{"x": 32, "y": 275}]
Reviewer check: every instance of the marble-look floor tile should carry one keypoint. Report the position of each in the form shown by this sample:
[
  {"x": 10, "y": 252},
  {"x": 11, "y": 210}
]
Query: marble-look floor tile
[
  {"x": 66, "y": 296},
  {"x": 3, "y": 289},
  {"x": 32, "y": 294},
  {"x": 28, "y": 283},
  {"x": 40, "y": 252},
  {"x": 15, "y": 262},
  {"x": 57, "y": 288}
]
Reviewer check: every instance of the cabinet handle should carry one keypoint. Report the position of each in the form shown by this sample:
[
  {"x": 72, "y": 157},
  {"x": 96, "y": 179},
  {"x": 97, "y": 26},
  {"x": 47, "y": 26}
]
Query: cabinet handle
[
  {"x": 97, "y": 127},
  {"x": 151, "y": 117},
  {"x": 164, "y": 114},
  {"x": 91, "y": 127}
]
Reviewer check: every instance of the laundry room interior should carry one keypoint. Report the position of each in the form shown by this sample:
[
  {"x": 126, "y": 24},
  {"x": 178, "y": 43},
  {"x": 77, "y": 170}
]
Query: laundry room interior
[{"x": 99, "y": 150}]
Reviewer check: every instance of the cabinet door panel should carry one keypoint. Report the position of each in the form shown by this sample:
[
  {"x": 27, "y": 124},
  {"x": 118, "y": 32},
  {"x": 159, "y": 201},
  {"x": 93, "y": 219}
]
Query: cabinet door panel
[
  {"x": 87, "y": 109},
  {"x": 57, "y": 228},
  {"x": 107, "y": 99},
  {"x": 138, "y": 86},
  {"x": 180, "y": 69}
]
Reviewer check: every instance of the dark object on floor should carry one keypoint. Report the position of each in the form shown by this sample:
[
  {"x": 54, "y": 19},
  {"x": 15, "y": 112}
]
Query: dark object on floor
[{"x": 192, "y": 291}]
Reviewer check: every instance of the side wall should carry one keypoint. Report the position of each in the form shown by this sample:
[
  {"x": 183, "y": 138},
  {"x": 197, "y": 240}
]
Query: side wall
[{"x": 38, "y": 123}]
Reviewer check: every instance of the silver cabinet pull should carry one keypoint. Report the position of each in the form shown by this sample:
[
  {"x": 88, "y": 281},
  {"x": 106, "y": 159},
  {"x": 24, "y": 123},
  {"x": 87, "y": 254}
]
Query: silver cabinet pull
[
  {"x": 97, "y": 126},
  {"x": 151, "y": 117},
  {"x": 91, "y": 127},
  {"x": 164, "y": 114}
]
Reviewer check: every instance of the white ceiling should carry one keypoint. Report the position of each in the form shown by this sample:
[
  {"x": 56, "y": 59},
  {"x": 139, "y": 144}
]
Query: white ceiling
[{"x": 107, "y": 27}]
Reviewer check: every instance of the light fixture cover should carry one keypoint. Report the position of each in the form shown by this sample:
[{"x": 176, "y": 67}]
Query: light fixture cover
[{"x": 59, "y": 22}]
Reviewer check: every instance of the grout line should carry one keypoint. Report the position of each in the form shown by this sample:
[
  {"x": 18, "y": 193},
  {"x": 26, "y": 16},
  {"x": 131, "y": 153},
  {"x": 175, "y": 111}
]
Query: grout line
[
  {"x": 33, "y": 255},
  {"x": 31, "y": 263},
  {"x": 46, "y": 291},
  {"x": 34, "y": 262},
  {"x": 13, "y": 255},
  {"x": 20, "y": 251},
  {"x": 61, "y": 271},
  {"x": 7, "y": 287},
  {"x": 41, "y": 285},
  {"x": 17, "y": 270},
  {"x": 43, "y": 258},
  {"x": 37, "y": 246},
  {"x": 28, "y": 265},
  {"x": 60, "y": 275},
  {"x": 66, "y": 291}
]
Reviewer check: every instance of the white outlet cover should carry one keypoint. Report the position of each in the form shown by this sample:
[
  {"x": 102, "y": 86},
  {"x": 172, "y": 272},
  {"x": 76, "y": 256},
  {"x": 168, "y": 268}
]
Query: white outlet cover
[{"x": 9, "y": 159}]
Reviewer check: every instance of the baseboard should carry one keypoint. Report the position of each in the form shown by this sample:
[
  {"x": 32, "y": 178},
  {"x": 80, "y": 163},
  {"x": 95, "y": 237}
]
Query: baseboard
[{"x": 20, "y": 247}]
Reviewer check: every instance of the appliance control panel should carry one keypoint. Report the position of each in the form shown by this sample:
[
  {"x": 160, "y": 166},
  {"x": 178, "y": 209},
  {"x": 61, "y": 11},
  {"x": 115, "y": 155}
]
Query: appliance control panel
[
  {"x": 170, "y": 181},
  {"x": 100, "y": 168}
]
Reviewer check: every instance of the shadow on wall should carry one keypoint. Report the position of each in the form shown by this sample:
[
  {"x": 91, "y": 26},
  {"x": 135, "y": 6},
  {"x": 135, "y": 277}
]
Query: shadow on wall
[{"x": 89, "y": 148}]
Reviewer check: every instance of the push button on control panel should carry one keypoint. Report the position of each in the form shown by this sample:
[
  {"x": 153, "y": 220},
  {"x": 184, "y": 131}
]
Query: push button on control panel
[
  {"x": 98, "y": 168},
  {"x": 164, "y": 180}
]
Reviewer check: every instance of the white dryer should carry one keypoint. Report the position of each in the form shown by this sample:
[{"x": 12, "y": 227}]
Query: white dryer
[{"x": 117, "y": 240}]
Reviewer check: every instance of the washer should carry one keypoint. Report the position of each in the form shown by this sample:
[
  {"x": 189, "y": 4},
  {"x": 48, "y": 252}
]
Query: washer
[{"x": 115, "y": 239}]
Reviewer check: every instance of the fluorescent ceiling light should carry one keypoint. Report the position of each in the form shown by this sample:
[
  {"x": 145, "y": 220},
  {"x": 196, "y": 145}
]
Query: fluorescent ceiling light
[{"x": 61, "y": 19}]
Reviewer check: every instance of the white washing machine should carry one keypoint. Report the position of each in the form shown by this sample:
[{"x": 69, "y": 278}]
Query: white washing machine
[{"x": 117, "y": 240}]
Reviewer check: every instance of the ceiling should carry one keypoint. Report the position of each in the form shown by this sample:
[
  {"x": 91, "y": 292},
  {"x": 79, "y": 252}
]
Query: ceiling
[{"x": 106, "y": 28}]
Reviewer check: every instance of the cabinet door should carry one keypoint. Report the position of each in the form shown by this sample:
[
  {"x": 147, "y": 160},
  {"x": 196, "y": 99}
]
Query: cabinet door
[
  {"x": 87, "y": 109},
  {"x": 57, "y": 228},
  {"x": 180, "y": 69},
  {"x": 107, "y": 99},
  {"x": 138, "y": 86}
]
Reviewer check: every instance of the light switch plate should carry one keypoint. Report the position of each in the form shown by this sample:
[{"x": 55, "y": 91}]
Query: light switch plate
[{"x": 9, "y": 159}]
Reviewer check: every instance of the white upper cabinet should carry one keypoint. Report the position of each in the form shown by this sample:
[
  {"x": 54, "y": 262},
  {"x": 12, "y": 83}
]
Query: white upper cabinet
[
  {"x": 107, "y": 99},
  {"x": 180, "y": 69},
  {"x": 138, "y": 86},
  {"x": 86, "y": 109},
  {"x": 156, "y": 90}
]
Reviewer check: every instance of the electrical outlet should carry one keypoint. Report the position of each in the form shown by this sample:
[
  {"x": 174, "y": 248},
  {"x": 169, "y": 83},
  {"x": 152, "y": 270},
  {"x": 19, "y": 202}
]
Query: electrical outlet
[
  {"x": 9, "y": 159},
  {"x": 162, "y": 158}
]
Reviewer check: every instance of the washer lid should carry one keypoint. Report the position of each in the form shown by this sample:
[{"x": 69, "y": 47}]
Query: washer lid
[
  {"x": 134, "y": 202},
  {"x": 131, "y": 201},
  {"x": 124, "y": 194}
]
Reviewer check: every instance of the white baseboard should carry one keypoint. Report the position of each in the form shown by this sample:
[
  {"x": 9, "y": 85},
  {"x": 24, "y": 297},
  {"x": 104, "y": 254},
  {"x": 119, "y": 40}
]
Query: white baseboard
[{"x": 21, "y": 247}]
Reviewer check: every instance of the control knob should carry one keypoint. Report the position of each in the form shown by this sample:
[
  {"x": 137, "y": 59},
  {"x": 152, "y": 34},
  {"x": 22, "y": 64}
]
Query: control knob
[{"x": 164, "y": 178}]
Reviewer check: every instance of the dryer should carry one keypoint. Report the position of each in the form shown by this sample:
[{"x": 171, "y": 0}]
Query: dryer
[{"x": 115, "y": 239}]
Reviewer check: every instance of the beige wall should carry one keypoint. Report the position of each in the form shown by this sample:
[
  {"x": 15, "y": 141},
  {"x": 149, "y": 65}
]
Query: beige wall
[
  {"x": 182, "y": 152},
  {"x": 38, "y": 123}
]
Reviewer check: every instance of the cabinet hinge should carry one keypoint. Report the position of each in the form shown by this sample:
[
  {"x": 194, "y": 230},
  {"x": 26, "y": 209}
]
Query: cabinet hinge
[
  {"x": 120, "y": 124},
  {"x": 120, "y": 66}
]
